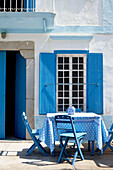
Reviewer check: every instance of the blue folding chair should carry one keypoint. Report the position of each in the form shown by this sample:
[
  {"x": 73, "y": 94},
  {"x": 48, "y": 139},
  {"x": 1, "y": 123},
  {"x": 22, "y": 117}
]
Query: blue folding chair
[
  {"x": 66, "y": 123},
  {"x": 33, "y": 134},
  {"x": 108, "y": 144}
]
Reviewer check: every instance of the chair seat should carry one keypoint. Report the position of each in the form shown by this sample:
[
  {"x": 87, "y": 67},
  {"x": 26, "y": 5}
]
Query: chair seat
[
  {"x": 71, "y": 135},
  {"x": 35, "y": 132}
]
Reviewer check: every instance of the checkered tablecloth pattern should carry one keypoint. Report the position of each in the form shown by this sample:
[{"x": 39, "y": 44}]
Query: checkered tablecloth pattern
[{"x": 90, "y": 123}]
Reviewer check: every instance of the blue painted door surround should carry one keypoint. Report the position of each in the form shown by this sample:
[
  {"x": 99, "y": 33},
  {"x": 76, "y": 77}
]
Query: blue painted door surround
[
  {"x": 20, "y": 95},
  {"x": 2, "y": 93}
]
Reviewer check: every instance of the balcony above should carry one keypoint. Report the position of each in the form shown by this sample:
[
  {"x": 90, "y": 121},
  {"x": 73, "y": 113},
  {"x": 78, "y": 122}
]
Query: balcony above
[{"x": 26, "y": 16}]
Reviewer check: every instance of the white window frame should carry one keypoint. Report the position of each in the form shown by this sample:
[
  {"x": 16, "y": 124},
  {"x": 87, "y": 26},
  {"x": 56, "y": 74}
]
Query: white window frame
[{"x": 70, "y": 80}]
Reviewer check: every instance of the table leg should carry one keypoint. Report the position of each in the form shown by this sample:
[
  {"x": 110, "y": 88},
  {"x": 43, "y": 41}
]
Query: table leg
[
  {"x": 88, "y": 145},
  {"x": 92, "y": 151},
  {"x": 53, "y": 153}
]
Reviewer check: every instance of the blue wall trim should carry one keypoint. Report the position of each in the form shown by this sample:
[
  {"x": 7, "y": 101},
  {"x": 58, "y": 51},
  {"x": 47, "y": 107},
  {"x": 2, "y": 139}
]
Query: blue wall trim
[
  {"x": 34, "y": 28},
  {"x": 71, "y": 51},
  {"x": 73, "y": 37}
]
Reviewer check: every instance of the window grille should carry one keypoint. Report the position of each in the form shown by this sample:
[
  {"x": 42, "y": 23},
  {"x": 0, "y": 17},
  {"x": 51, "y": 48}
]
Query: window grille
[{"x": 71, "y": 81}]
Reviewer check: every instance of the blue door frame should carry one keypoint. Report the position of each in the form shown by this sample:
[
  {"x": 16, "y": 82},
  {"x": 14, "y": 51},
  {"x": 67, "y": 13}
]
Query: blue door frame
[
  {"x": 20, "y": 94},
  {"x": 2, "y": 93}
]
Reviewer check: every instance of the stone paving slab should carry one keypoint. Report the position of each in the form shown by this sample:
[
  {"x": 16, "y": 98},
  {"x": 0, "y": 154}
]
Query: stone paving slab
[{"x": 12, "y": 157}]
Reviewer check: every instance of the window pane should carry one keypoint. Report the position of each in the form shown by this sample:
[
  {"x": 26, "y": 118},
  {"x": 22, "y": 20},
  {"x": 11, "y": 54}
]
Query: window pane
[
  {"x": 60, "y": 67},
  {"x": 60, "y": 80},
  {"x": 74, "y": 94},
  {"x": 75, "y": 67},
  {"x": 81, "y": 87},
  {"x": 80, "y": 80},
  {"x": 66, "y": 87},
  {"x": 60, "y": 107},
  {"x": 81, "y": 107},
  {"x": 60, "y": 101},
  {"x": 60, "y": 87},
  {"x": 66, "y": 59},
  {"x": 66, "y": 67},
  {"x": 81, "y": 94},
  {"x": 75, "y": 59},
  {"x": 60, "y": 59},
  {"x": 81, "y": 66},
  {"x": 75, "y": 80},
  {"x": 75, "y": 101},
  {"x": 66, "y": 101},
  {"x": 74, "y": 87},
  {"x": 66, "y": 94},
  {"x": 60, "y": 74},
  {"x": 66, "y": 80},
  {"x": 80, "y": 73},
  {"x": 80, "y": 101},
  {"x": 66, "y": 73},
  {"x": 75, "y": 73},
  {"x": 80, "y": 59},
  {"x": 76, "y": 106},
  {"x": 65, "y": 107},
  {"x": 60, "y": 94}
]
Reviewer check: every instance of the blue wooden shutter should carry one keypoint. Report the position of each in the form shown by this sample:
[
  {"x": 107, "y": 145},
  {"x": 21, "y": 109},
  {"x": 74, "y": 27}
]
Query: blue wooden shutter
[
  {"x": 20, "y": 95},
  {"x": 47, "y": 83},
  {"x": 95, "y": 83},
  {"x": 2, "y": 93}
]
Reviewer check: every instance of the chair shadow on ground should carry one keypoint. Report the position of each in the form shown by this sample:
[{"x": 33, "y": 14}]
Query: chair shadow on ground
[
  {"x": 101, "y": 161},
  {"x": 38, "y": 159}
]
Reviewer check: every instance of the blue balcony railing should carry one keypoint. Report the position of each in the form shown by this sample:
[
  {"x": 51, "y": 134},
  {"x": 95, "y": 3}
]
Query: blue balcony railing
[{"x": 27, "y": 6}]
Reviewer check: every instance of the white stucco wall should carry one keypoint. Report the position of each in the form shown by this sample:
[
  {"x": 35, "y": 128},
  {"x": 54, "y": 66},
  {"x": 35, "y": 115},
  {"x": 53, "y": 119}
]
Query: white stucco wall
[
  {"x": 74, "y": 12},
  {"x": 99, "y": 43},
  {"x": 78, "y": 12}
]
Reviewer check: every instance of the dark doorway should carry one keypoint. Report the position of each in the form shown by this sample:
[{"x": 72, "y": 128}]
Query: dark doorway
[{"x": 10, "y": 94}]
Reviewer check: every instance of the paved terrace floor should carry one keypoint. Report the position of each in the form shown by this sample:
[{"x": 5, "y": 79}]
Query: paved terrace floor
[{"x": 12, "y": 157}]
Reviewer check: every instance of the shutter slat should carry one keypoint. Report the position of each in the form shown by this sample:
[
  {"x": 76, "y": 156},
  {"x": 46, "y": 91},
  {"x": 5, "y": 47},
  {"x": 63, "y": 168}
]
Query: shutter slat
[
  {"x": 47, "y": 83},
  {"x": 95, "y": 83}
]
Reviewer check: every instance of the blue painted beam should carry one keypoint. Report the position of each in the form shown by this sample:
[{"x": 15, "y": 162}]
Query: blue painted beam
[
  {"x": 72, "y": 37},
  {"x": 25, "y": 21}
]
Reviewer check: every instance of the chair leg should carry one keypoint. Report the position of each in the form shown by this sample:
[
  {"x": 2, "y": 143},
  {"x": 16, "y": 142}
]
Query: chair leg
[
  {"x": 31, "y": 149},
  {"x": 92, "y": 151},
  {"x": 62, "y": 151},
  {"x": 108, "y": 144},
  {"x": 80, "y": 152},
  {"x": 42, "y": 149},
  {"x": 76, "y": 152},
  {"x": 88, "y": 145},
  {"x": 111, "y": 147},
  {"x": 39, "y": 146}
]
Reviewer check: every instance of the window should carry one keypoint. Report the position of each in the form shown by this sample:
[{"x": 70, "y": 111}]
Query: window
[{"x": 71, "y": 81}]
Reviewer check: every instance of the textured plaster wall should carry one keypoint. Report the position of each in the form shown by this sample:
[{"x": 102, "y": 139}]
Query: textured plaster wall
[
  {"x": 79, "y": 12},
  {"x": 108, "y": 12}
]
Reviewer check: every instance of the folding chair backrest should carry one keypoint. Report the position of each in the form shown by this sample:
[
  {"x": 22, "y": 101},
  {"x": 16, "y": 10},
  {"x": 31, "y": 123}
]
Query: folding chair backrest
[
  {"x": 26, "y": 123},
  {"x": 66, "y": 123},
  {"x": 111, "y": 128}
]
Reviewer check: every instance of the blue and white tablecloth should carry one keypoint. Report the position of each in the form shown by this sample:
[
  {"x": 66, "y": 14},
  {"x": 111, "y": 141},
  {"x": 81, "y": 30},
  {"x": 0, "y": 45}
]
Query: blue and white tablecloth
[{"x": 90, "y": 123}]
